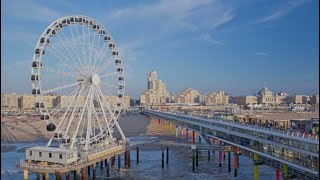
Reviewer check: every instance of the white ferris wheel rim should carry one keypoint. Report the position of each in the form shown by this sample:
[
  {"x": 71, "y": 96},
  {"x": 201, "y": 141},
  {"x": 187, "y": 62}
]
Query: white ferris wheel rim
[{"x": 95, "y": 79}]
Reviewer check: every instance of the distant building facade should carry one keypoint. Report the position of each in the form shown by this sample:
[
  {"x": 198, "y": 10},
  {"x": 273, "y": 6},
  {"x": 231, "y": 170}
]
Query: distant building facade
[
  {"x": 314, "y": 99},
  {"x": 216, "y": 98},
  {"x": 156, "y": 93},
  {"x": 188, "y": 95},
  {"x": 9, "y": 101}
]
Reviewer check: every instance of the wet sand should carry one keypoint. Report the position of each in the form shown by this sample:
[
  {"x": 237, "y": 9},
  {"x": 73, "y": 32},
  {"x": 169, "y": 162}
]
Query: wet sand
[{"x": 35, "y": 130}]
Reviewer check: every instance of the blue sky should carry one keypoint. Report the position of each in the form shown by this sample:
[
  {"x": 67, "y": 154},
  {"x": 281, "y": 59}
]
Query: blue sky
[{"x": 207, "y": 45}]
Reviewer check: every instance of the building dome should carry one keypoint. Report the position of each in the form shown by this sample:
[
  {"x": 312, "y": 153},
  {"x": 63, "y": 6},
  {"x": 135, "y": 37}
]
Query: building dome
[{"x": 265, "y": 92}]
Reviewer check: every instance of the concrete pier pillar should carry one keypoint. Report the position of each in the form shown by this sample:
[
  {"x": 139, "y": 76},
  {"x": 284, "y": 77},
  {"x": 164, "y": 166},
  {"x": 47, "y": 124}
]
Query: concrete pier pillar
[
  {"x": 126, "y": 159},
  {"x": 89, "y": 170},
  {"x": 67, "y": 175},
  {"x": 112, "y": 161},
  {"x": 58, "y": 175},
  {"x": 167, "y": 155},
  {"x": 208, "y": 155},
  {"x": 101, "y": 165},
  {"x": 45, "y": 176},
  {"x": 277, "y": 174},
  {"x": 187, "y": 135},
  {"x": 119, "y": 162},
  {"x": 74, "y": 174},
  {"x": 25, "y": 175},
  {"x": 38, "y": 176},
  {"x": 162, "y": 159},
  {"x": 137, "y": 154},
  {"x": 84, "y": 173},
  {"x": 107, "y": 167},
  {"x": 255, "y": 167},
  {"x": 235, "y": 161},
  {"x": 224, "y": 155},
  {"x": 94, "y": 165},
  {"x": 177, "y": 130},
  {"x": 105, "y": 162},
  {"x": 129, "y": 159},
  {"x": 197, "y": 157},
  {"x": 229, "y": 161},
  {"x": 193, "y": 160},
  {"x": 220, "y": 158},
  {"x": 78, "y": 174},
  {"x": 285, "y": 171},
  {"x": 193, "y": 136}
]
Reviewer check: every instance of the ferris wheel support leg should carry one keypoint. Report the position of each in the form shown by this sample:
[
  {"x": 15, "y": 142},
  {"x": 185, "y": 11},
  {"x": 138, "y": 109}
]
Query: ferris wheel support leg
[
  {"x": 120, "y": 130},
  {"x": 49, "y": 143}
]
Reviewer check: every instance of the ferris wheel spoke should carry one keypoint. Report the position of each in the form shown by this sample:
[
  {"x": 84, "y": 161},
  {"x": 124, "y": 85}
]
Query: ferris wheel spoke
[
  {"x": 109, "y": 74},
  {"x": 74, "y": 41},
  {"x": 59, "y": 88},
  {"x": 59, "y": 72},
  {"x": 82, "y": 43},
  {"x": 102, "y": 57},
  {"x": 109, "y": 85},
  {"x": 72, "y": 48},
  {"x": 67, "y": 48},
  {"x": 66, "y": 111},
  {"x": 73, "y": 111},
  {"x": 96, "y": 115},
  {"x": 103, "y": 112},
  {"x": 63, "y": 57},
  {"x": 58, "y": 107},
  {"x": 114, "y": 119},
  {"x": 91, "y": 49},
  {"x": 96, "y": 57},
  {"x": 104, "y": 65}
]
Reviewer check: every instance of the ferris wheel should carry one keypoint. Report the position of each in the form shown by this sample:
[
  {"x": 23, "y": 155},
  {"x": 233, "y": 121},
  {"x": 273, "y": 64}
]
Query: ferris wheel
[{"x": 77, "y": 67}]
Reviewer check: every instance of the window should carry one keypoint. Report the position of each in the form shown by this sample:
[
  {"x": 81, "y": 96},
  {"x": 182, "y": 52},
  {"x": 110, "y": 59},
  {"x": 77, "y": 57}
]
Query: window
[
  {"x": 30, "y": 153},
  {"x": 40, "y": 154},
  {"x": 50, "y": 155},
  {"x": 60, "y": 156}
]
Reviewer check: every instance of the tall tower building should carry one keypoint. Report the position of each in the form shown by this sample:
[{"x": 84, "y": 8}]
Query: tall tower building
[{"x": 156, "y": 93}]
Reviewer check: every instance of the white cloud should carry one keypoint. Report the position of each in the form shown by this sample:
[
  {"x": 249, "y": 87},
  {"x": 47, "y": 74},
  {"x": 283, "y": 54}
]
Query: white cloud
[
  {"x": 31, "y": 10},
  {"x": 208, "y": 37},
  {"x": 282, "y": 12},
  {"x": 261, "y": 53}
]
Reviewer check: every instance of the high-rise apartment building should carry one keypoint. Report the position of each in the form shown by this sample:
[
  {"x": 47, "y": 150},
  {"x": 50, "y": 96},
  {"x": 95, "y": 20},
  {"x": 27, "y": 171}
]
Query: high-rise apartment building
[
  {"x": 156, "y": 93},
  {"x": 216, "y": 98},
  {"x": 9, "y": 101},
  {"x": 188, "y": 95}
]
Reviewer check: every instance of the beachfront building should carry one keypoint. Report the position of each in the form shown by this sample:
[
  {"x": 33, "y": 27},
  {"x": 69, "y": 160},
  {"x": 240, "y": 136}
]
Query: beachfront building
[
  {"x": 246, "y": 100},
  {"x": 187, "y": 96},
  {"x": 49, "y": 101},
  {"x": 111, "y": 101},
  {"x": 216, "y": 98},
  {"x": 314, "y": 99},
  {"x": 9, "y": 101},
  {"x": 296, "y": 99},
  {"x": 157, "y": 93},
  {"x": 26, "y": 102}
]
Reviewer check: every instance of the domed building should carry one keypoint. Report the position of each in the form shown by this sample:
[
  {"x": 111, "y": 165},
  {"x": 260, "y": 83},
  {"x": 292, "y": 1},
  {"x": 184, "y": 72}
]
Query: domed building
[{"x": 265, "y": 96}]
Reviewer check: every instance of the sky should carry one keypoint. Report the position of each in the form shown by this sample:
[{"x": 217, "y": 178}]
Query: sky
[{"x": 207, "y": 45}]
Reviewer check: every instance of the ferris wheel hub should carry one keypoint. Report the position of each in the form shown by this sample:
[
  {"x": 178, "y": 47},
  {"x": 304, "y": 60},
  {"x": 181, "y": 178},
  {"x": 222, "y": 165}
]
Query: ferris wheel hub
[{"x": 95, "y": 79}]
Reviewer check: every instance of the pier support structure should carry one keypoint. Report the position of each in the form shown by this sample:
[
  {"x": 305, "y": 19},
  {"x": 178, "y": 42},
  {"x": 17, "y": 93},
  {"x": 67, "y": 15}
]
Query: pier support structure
[{"x": 25, "y": 175}]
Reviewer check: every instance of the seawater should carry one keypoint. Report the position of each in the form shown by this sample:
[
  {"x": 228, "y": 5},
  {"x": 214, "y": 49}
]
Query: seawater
[{"x": 149, "y": 166}]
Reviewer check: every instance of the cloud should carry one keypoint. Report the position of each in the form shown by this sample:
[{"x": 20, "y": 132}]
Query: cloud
[
  {"x": 167, "y": 17},
  {"x": 261, "y": 53},
  {"x": 31, "y": 10},
  {"x": 208, "y": 37},
  {"x": 282, "y": 11}
]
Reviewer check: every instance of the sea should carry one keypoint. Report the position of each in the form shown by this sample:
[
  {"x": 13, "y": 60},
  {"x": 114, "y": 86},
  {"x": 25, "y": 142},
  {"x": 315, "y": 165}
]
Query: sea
[{"x": 149, "y": 166}]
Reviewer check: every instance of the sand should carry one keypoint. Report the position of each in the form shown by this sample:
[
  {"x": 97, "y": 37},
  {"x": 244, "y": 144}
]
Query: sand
[{"x": 34, "y": 130}]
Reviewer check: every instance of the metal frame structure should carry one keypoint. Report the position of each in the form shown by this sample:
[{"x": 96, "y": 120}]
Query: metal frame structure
[
  {"x": 79, "y": 53},
  {"x": 299, "y": 153}
]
